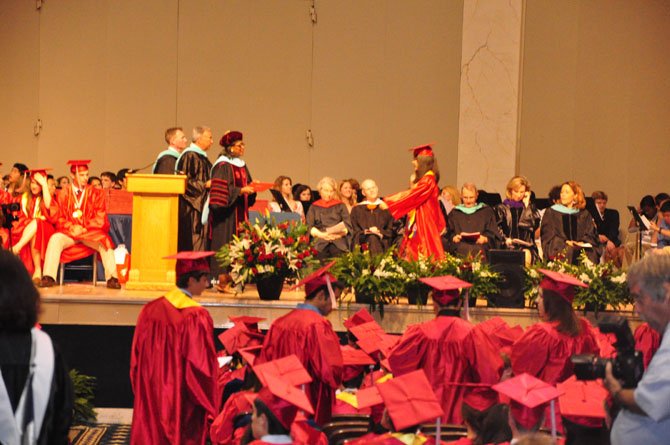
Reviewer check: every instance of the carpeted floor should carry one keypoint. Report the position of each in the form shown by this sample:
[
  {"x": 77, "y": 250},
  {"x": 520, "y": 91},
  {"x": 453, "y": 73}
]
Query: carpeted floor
[{"x": 100, "y": 434}]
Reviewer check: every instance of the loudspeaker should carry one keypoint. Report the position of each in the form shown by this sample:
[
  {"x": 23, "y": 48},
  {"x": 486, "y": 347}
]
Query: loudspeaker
[{"x": 508, "y": 263}]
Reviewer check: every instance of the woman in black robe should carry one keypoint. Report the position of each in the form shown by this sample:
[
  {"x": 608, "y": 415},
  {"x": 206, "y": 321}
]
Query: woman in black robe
[
  {"x": 328, "y": 220},
  {"x": 518, "y": 218},
  {"x": 568, "y": 228}
]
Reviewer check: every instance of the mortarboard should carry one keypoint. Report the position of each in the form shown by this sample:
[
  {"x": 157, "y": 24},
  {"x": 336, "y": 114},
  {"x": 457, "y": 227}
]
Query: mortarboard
[
  {"x": 314, "y": 281},
  {"x": 283, "y": 400},
  {"x": 370, "y": 337},
  {"x": 410, "y": 400},
  {"x": 422, "y": 150},
  {"x": 353, "y": 356},
  {"x": 445, "y": 288},
  {"x": 229, "y": 138},
  {"x": 248, "y": 320},
  {"x": 238, "y": 337},
  {"x": 190, "y": 262},
  {"x": 561, "y": 283},
  {"x": 42, "y": 171},
  {"x": 528, "y": 395},
  {"x": 360, "y": 317},
  {"x": 582, "y": 398},
  {"x": 249, "y": 354},
  {"x": 480, "y": 397},
  {"x": 75, "y": 164},
  {"x": 288, "y": 368},
  {"x": 368, "y": 397}
]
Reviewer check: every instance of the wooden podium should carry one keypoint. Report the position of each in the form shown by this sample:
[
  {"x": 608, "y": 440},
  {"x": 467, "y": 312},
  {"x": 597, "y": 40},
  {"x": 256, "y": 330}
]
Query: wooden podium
[{"x": 155, "y": 226}]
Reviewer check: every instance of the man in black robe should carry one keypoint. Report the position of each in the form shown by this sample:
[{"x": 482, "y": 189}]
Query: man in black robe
[
  {"x": 471, "y": 227},
  {"x": 230, "y": 195},
  {"x": 371, "y": 224},
  {"x": 167, "y": 159},
  {"x": 193, "y": 163}
]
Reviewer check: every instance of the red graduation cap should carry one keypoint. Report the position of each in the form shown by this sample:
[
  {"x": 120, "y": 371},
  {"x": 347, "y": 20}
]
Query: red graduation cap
[
  {"x": 75, "y": 164},
  {"x": 229, "y": 138},
  {"x": 317, "y": 279},
  {"x": 445, "y": 288},
  {"x": 529, "y": 396},
  {"x": 35, "y": 171},
  {"x": 369, "y": 336},
  {"x": 561, "y": 283},
  {"x": 240, "y": 336},
  {"x": 480, "y": 397},
  {"x": 353, "y": 356},
  {"x": 360, "y": 317},
  {"x": 422, "y": 150},
  {"x": 250, "y": 353},
  {"x": 410, "y": 400},
  {"x": 190, "y": 262},
  {"x": 582, "y": 398},
  {"x": 283, "y": 400},
  {"x": 288, "y": 368},
  {"x": 248, "y": 320},
  {"x": 368, "y": 397}
]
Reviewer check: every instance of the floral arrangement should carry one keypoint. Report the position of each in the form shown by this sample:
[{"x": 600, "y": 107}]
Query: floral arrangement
[
  {"x": 485, "y": 282},
  {"x": 607, "y": 284},
  {"x": 267, "y": 249}
]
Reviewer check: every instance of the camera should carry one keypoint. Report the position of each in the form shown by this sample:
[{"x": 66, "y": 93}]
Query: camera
[
  {"x": 627, "y": 366},
  {"x": 7, "y": 216}
]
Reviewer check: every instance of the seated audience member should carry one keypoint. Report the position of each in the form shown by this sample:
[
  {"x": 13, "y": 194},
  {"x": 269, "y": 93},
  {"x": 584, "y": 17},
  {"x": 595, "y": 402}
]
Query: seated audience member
[
  {"x": 62, "y": 182},
  {"x": 31, "y": 365},
  {"x": 660, "y": 198},
  {"x": 472, "y": 226},
  {"x": 284, "y": 187},
  {"x": 645, "y": 414},
  {"x": 82, "y": 218},
  {"x": 329, "y": 223},
  {"x": 607, "y": 224},
  {"x": 449, "y": 198},
  {"x": 371, "y": 224},
  {"x": 18, "y": 181},
  {"x": 108, "y": 179},
  {"x": 51, "y": 183},
  {"x": 486, "y": 421},
  {"x": 95, "y": 182},
  {"x": 518, "y": 219},
  {"x": 303, "y": 193},
  {"x": 32, "y": 231},
  {"x": 661, "y": 230},
  {"x": 568, "y": 228},
  {"x": 348, "y": 194},
  {"x": 121, "y": 180},
  {"x": 4, "y": 183},
  {"x": 173, "y": 401}
]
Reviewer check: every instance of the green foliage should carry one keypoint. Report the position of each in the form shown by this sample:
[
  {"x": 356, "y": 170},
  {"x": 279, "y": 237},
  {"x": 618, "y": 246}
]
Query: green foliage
[{"x": 84, "y": 386}]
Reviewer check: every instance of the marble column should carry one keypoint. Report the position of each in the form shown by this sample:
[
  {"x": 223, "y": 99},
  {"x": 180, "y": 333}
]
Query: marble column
[{"x": 490, "y": 80}]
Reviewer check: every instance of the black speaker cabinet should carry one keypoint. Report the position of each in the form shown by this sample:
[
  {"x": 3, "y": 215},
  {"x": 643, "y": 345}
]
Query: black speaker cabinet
[{"x": 508, "y": 263}]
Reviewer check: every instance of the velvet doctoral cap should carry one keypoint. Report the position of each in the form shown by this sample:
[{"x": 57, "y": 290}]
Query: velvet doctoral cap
[{"x": 229, "y": 138}]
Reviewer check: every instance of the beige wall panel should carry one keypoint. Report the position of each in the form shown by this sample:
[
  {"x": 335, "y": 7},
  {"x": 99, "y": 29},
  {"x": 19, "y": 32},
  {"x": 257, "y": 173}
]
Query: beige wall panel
[
  {"x": 386, "y": 78},
  {"x": 247, "y": 66},
  {"x": 140, "y": 81},
  {"x": 19, "y": 80},
  {"x": 595, "y": 97},
  {"x": 72, "y": 83}
]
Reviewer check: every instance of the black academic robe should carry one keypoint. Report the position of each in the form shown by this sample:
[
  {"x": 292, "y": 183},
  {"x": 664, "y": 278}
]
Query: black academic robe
[
  {"x": 482, "y": 221},
  {"x": 192, "y": 233},
  {"x": 364, "y": 216},
  {"x": 557, "y": 228},
  {"x": 322, "y": 216},
  {"x": 608, "y": 224},
  {"x": 518, "y": 223},
  {"x": 14, "y": 362},
  {"x": 227, "y": 206},
  {"x": 165, "y": 165}
]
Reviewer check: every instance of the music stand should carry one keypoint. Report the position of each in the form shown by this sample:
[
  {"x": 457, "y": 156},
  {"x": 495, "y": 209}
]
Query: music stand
[{"x": 641, "y": 225}]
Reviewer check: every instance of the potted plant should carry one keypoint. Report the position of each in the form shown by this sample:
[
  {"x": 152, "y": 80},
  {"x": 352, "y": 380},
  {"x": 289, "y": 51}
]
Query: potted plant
[
  {"x": 417, "y": 291},
  {"x": 484, "y": 281},
  {"x": 267, "y": 253}
]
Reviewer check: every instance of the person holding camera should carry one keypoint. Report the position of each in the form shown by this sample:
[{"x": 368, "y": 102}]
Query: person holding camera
[{"x": 645, "y": 414}]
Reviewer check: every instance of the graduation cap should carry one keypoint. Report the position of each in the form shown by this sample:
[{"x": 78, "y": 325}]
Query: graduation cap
[
  {"x": 288, "y": 368},
  {"x": 249, "y": 354},
  {"x": 561, "y": 283},
  {"x": 480, "y": 397},
  {"x": 249, "y": 321},
  {"x": 368, "y": 397},
  {"x": 370, "y": 337},
  {"x": 360, "y": 317},
  {"x": 529, "y": 396},
  {"x": 238, "y": 337},
  {"x": 190, "y": 262},
  {"x": 316, "y": 280},
  {"x": 445, "y": 288},
  {"x": 75, "y": 164},
  {"x": 582, "y": 398},
  {"x": 355, "y": 357},
  {"x": 283, "y": 400},
  {"x": 35, "y": 171},
  {"x": 410, "y": 400},
  {"x": 229, "y": 138},
  {"x": 422, "y": 150}
]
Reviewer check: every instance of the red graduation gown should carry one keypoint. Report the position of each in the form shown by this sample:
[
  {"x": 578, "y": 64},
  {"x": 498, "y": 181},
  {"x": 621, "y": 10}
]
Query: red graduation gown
[
  {"x": 172, "y": 372},
  {"x": 311, "y": 338},
  {"x": 425, "y": 221},
  {"x": 449, "y": 351},
  {"x": 45, "y": 218},
  {"x": 222, "y": 431},
  {"x": 647, "y": 341}
]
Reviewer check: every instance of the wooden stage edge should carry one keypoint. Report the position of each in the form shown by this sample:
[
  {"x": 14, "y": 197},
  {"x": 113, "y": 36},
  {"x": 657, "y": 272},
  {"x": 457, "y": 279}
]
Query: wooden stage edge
[{"x": 83, "y": 304}]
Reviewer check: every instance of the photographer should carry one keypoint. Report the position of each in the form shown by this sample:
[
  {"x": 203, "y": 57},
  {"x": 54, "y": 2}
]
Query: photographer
[{"x": 645, "y": 414}]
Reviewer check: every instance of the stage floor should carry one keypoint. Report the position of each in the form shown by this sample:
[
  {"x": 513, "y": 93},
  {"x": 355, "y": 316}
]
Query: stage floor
[{"x": 83, "y": 304}]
